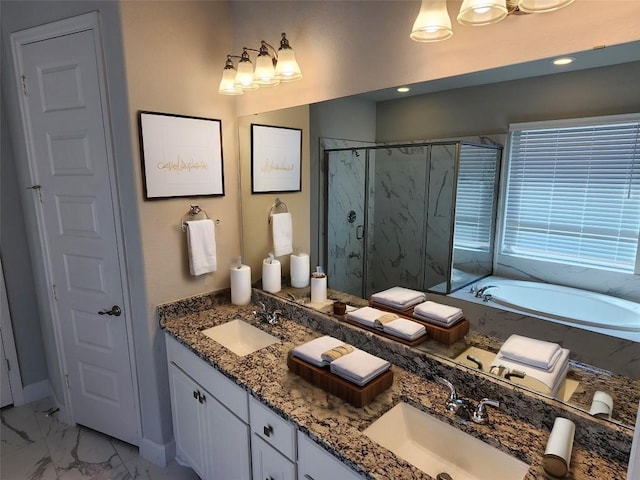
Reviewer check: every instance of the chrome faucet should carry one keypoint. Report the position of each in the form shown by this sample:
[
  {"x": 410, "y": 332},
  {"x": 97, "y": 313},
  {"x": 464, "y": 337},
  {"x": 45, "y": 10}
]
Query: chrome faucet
[
  {"x": 464, "y": 408},
  {"x": 480, "y": 293},
  {"x": 270, "y": 317}
]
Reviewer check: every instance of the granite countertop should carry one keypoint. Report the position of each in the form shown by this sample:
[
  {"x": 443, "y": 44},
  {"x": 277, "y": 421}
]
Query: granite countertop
[{"x": 338, "y": 426}]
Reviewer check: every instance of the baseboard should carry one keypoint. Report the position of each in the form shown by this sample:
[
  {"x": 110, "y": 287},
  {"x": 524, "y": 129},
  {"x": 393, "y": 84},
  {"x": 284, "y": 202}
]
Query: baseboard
[
  {"x": 156, "y": 453},
  {"x": 36, "y": 391}
]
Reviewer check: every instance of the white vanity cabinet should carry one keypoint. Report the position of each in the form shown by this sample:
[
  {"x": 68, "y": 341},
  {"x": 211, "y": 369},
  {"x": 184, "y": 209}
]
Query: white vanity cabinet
[
  {"x": 210, "y": 417},
  {"x": 273, "y": 444},
  {"x": 315, "y": 463}
]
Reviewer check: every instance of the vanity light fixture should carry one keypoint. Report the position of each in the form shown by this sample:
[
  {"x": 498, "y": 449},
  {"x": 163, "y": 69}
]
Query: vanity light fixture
[
  {"x": 433, "y": 23},
  {"x": 271, "y": 69}
]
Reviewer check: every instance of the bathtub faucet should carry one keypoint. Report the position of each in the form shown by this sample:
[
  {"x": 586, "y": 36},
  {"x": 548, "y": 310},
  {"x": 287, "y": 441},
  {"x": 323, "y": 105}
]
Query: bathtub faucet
[{"x": 485, "y": 296}]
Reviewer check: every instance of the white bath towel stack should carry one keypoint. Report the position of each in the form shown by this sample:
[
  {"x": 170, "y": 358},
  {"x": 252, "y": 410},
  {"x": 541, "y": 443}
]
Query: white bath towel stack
[
  {"x": 387, "y": 322},
  {"x": 312, "y": 351},
  {"x": 547, "y": 362},
  {"x": 359, "y": 367},
  {"x": 398, "y": 297},
  {"x": 438, "y": 314},
  {"x": 201, "y": 246}
]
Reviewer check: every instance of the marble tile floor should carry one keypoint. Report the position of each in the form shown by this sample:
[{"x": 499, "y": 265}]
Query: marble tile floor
[{"x": 38, "y": 447}]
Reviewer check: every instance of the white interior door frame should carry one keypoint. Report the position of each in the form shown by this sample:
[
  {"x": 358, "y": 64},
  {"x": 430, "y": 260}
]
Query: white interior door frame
[
  {"x": 15, "y": 379},
  {"x": 80, "y": 23}
]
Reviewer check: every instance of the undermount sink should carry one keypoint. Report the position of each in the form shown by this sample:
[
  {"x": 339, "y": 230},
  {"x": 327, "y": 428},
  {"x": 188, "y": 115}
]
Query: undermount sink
[
  {"x": 436, "y": 447},
  {"x": 564, "y": 393},
  {"x": 240, "y": 337}
]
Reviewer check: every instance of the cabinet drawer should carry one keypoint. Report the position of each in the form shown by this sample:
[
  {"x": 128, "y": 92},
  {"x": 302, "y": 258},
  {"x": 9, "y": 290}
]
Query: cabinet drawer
[
  {"x": 227, "y": 392},
  {"x": 273, "y": 429},
  {"x": 268, "y": 463},
  {"x": 315, "y": 463}
]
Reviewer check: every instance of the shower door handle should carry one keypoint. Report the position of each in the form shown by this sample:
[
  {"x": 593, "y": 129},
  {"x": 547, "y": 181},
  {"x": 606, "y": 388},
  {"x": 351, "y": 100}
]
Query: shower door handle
[{"x": 359, "y": 232}]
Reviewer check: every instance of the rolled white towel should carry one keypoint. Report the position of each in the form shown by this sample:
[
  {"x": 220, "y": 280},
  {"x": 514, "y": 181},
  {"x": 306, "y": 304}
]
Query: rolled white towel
[
  {"x": 404, "y": 328},
  {"x": 312, "y": 351},
  {"x": 359, "y": 367},
  {"x": 440, "y": 314},
  {"x": 552, "y": 379},
  {"x": 530, "y": 351},
  {"x": 398, "y": 297}
]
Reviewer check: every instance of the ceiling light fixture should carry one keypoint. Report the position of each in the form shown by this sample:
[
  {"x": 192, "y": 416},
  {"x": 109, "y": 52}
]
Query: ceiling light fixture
[
  {"x": 563, "y": 61},
  {"x": 271, "y": 69},
  {"x": 403, "y": 89},
  {"x": 433, "y": 23}
]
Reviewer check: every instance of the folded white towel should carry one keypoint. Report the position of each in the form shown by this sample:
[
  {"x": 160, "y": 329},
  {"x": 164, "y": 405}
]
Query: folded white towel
[
  {"x": 398, "y": 297},
  {"x": 443, "y": 315},
  {"x": 359, "y": 367},
  {"x": 282, "y": 228},
  {"x": 312, "y": 351},
  {"x": 552, "y": 379},
  {"x": 368, "y": 316},
  {"x": 530, "y": 351},
  {"x": 404, "y": 328},
  {"x": 201, "y": 246}
]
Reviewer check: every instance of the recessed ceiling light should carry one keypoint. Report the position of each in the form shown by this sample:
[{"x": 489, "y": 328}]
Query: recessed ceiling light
[
  {"x": 564, "y": 61},
  {"x": 403, "y": 89}
]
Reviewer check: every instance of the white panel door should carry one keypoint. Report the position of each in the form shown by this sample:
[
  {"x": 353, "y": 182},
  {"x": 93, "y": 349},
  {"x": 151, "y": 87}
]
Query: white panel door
[{"x": 70, "y": 159}]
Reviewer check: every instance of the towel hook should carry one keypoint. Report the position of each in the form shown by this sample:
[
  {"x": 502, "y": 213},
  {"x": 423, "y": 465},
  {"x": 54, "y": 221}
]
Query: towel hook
[
  {"x": 194, "y": 213},
  {"x": 278, "y": 204}
]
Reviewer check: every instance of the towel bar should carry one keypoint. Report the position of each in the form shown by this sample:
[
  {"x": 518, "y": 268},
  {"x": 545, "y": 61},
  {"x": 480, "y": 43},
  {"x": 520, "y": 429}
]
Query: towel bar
[
  {"x": 278, "y": 204},
  {"x": 194, "y": 213}
]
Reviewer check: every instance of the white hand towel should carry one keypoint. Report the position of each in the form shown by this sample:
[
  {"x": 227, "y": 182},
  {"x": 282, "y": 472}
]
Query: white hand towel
[
  {"x": 312, "y": 351},
  {"x": 282, "y": 227},
  {"x": 404, "y": 328},
  {"x": 398, "y": 297},
  {"x": 552, "y": 379},
  {"x": 443, "y": 315},
  {"x": 359, "y": 367},
  {"x": 530, "y": 351},
  {"x": 201, "y": 246},
  {"x": 368, "y": 316}
]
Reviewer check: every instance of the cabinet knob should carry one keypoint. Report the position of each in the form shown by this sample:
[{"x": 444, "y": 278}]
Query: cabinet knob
[
  {"x": 201, "y": 398},
  {"x": 195, "y": 394},
  {"x": 268, "y": 430}
]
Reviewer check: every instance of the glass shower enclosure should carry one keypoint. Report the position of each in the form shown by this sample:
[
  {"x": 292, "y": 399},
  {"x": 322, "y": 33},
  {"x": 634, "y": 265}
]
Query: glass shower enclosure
[{"x": 421, "y": 216}]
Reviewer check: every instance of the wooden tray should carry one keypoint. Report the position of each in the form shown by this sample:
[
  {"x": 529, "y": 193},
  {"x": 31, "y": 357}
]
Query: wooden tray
[
  {"x": 382, "y": 333},
  {"x": 338, "y": 386},
  {"x": 439, "y": 334}
]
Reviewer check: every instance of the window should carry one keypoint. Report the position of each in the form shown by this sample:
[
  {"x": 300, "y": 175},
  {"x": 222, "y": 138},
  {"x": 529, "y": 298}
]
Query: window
[
  {"x": 474, "y": 197},
  {"x": 573, "y": 192}
]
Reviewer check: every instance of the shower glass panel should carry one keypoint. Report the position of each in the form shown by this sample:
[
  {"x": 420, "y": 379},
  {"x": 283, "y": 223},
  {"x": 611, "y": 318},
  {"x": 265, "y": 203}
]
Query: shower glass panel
[
  {"x": 346, "y": 184},
  {"x": 396, "y": 217}
]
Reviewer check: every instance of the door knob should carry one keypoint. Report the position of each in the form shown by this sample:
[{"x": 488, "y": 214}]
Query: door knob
[{"x": 115, "y": 311}]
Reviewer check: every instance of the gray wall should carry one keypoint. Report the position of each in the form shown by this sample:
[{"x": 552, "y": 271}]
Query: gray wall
[
  {"x": 488, "y": 109},
  {"x": 17, "y": 269}
]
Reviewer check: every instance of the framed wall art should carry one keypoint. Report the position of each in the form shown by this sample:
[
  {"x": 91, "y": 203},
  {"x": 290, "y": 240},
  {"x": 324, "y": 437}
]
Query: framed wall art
[
  {"x": 181, "y": 155},
  {"x": 275, "y": 159}
]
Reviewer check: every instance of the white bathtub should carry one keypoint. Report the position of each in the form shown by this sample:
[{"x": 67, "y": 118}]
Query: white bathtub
[{"x": 569, "y": 305}]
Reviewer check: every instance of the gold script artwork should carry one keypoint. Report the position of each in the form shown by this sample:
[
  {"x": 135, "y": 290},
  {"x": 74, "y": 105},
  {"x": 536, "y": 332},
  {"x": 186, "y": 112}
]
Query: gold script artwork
[
  {"x": 275, "y": 159},
  {"x": 181, "y": 156}
]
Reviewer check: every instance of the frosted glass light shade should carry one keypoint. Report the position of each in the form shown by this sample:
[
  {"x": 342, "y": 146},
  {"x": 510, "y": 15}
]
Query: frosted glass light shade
[
  {"x": 244, "y": 77},
  {"x": 265, "y": 74},
  {"x": 287, "y": 69},
  {"x": 227, "y": 84},
  {"x": 482, "y": 12},
  {"x": 541, "y": 6},
  {"x": 432, "y": 23}
]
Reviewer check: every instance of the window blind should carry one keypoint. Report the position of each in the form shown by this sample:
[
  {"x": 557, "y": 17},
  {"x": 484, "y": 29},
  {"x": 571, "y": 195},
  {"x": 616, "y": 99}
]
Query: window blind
[
  {"x": 474, "y": 197},
  {"x": 573, "y": 195}
]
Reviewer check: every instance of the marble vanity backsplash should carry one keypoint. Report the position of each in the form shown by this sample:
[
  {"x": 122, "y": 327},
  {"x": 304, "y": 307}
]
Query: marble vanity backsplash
[{"x": 602, "y": 438}]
